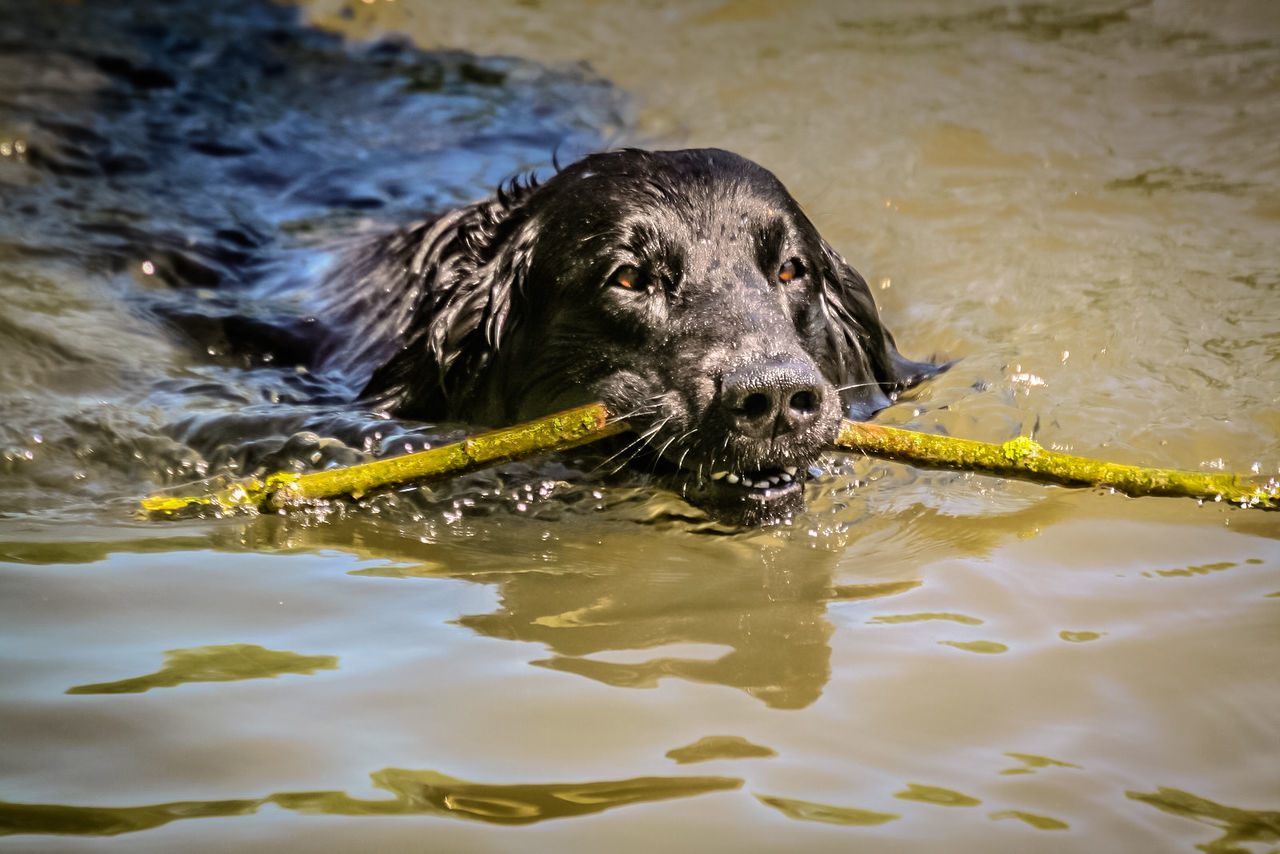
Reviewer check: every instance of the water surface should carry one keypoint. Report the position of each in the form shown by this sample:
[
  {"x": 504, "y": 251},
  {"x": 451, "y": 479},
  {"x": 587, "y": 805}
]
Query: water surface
[{"x": 1078, "y": 199}]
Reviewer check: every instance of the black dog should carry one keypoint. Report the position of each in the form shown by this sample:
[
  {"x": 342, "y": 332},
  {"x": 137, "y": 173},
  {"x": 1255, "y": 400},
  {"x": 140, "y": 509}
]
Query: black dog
[{"x": 684, "y": 289}]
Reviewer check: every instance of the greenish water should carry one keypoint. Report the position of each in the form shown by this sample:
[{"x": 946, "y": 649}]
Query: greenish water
[{"x": 1080, "y": 200}]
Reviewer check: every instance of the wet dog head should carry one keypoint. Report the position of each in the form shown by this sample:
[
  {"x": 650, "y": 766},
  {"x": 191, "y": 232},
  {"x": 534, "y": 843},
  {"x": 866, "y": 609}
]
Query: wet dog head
[{"x": 685, "y": 289}]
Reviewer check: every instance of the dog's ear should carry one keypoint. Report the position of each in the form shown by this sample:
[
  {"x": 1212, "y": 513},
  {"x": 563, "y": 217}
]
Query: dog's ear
[
  {"x": 865, "y": 360},
  {"x": 468, "y": 269}
]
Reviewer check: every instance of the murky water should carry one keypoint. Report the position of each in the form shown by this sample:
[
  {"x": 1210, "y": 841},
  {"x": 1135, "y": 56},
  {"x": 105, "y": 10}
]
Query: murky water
[{"x": 1078, "y": 199}]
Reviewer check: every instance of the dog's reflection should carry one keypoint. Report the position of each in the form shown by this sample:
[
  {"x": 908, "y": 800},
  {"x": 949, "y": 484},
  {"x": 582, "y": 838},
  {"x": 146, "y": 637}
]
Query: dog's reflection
[{"x": 640, "y": 605}]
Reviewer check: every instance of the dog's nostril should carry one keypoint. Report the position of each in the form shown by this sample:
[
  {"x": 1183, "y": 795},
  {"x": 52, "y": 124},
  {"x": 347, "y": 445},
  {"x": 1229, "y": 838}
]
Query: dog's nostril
[
  {"x": 756, "y": 406},
  {"x": 805, "y": 401}
]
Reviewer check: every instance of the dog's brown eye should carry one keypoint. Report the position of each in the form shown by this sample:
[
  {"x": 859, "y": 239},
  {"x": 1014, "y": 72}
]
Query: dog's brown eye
[
  {"x": 790, "y": 270},
  {"x": 628, "y": 278}
]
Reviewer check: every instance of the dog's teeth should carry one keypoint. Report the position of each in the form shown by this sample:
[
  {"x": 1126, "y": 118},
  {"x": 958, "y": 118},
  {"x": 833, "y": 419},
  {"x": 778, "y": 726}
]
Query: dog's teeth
[
  {"x": 791, "y": 470},
  {"x": 719, "y": 475},
  {"x": 773, "y": 479},
  {"x": 784, "y": 477},
  {"x": 732, "y": 478},
  {"x": 761, "y": 484}
]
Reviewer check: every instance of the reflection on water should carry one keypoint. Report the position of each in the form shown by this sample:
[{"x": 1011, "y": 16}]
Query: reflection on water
[
  {"x": 915, "y": 618},
  {"x": 1240, "y": 827},
  {"x": 936, "y": 795},
  {"x": 111, "y": 821},
  {"x": 720, "y": 747},
  {"x": 982, "y": 646},
  {"x": 1030, "y": 763},
  {"x": 415, "y": 793},
  {"x": 764, "y": 627},
  {"x": 429, "y": 793},
  {"x": 1202, "y": 569},
  {"x": 225, "y": 663},
  {"x": 1079, "y": 637},
  {"x": 768, "y": 613},
  {"x": 1039, "y": 822},
  {"x": 758, "y": 623},
  {"x": 857, "y": 592},
  {"x": 810, "y": 811}
]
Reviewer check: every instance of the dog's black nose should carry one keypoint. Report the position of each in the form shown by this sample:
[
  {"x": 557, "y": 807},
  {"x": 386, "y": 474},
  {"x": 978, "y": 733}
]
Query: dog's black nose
[{"x": 770, "y": 398}]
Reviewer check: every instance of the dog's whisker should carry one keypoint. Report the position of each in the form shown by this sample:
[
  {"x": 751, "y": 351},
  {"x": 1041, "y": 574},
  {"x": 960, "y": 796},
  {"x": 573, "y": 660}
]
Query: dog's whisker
[
  {"x": 688, "y": 447},
  {"x": 852, "y": 386},
  {"x": 647, "y": 408},
  {"x": 637, "y": 444},
  {"x": 663, "y": 449}
]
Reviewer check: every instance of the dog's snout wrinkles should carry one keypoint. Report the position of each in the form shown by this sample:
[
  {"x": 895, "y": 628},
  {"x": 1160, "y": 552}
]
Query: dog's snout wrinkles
[{"x": 773, "y": 398}]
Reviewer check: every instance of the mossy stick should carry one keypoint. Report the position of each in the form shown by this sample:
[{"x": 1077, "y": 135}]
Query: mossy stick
[
  {"x": 557, "y": 432},
  {"x": 1021, "y": 459},
  {"x": 1024, "y": 459}
]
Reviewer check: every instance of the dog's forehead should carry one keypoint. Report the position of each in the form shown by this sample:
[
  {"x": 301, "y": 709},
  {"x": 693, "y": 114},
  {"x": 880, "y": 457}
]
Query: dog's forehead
[
  {"x": 698, "y": 211},
  {"x": 709, "y": 190},
  {"x": 706, "y": 216},
  {"x": 696, "y": 215}
]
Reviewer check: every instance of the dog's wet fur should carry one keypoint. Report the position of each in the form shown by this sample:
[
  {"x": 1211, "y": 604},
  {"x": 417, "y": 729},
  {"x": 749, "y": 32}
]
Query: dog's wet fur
[{"x": 684, "y": 289}]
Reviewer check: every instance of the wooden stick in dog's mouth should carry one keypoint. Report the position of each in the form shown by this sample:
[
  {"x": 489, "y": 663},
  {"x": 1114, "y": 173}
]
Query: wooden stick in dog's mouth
[{"x": 1021, "y": 459}]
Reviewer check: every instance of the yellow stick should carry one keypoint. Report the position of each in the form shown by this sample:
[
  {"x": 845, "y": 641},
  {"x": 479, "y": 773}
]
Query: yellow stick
[
  {"x": 1025, "y": 459},
  {"x": 552, "y": 433},
  {"x": 1021, "y": 458}
]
